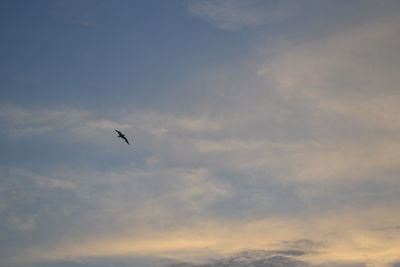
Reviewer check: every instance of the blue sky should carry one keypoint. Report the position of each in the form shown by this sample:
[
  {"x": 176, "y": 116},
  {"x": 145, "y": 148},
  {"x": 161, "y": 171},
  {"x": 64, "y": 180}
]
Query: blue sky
[
  {"x": 107, "y": 49},
  {"x": 255, "y": 125}
]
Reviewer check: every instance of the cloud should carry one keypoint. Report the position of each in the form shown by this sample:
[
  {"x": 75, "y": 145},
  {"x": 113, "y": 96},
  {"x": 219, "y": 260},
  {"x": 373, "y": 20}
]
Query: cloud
[
  {"x": 250, "y": 258},
  {"x": 265, "y": 258},
  {"x": 82, "y": 13},
  {"x": 237, "y": 14},
  {"x": 78, "y": 122},
  {"x": 351, "y": 73},
  {"x": 43, "y": 181},
  {"x": 20, "y": 224},
  {"x": 294, "y": 153},
  {"x": 346, "y": 236},
  {"x": 36, "y": 121},
  {"x": 337, "y": 102},
  {"x": 75, "y": 206}
]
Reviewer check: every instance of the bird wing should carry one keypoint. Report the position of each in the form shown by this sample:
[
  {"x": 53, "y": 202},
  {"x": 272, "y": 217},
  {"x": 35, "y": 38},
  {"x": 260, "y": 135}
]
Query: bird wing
[
  {"x": 118, "y": 131},
  {"x": 126, "y": 140}
]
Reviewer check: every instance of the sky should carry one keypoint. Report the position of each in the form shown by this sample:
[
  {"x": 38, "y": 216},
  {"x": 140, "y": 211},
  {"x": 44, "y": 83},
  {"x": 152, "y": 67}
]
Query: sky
[{"x": 260, "y": 130}]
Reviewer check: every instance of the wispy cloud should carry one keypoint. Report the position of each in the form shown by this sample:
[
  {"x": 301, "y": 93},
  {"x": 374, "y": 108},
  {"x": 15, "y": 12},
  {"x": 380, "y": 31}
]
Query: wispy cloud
[
  {"x": 351, "y": 73},
  {"x": 81, "y": 13},
  {"x": 237, "y": 14},
  {"x": 200, "y": 137},
  {"x": 350, "y": 239}
]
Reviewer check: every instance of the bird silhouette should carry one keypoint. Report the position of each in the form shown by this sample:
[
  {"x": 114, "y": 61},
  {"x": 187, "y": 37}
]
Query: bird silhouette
[{"x": 122, "y": 136}]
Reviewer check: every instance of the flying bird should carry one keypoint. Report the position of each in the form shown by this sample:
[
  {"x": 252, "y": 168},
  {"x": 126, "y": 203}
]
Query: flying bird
[{"x": 122, "y": 136}]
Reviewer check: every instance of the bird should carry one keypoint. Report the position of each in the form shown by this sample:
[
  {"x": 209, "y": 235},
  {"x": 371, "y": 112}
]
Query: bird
[{"x": 122, "y": 136}]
